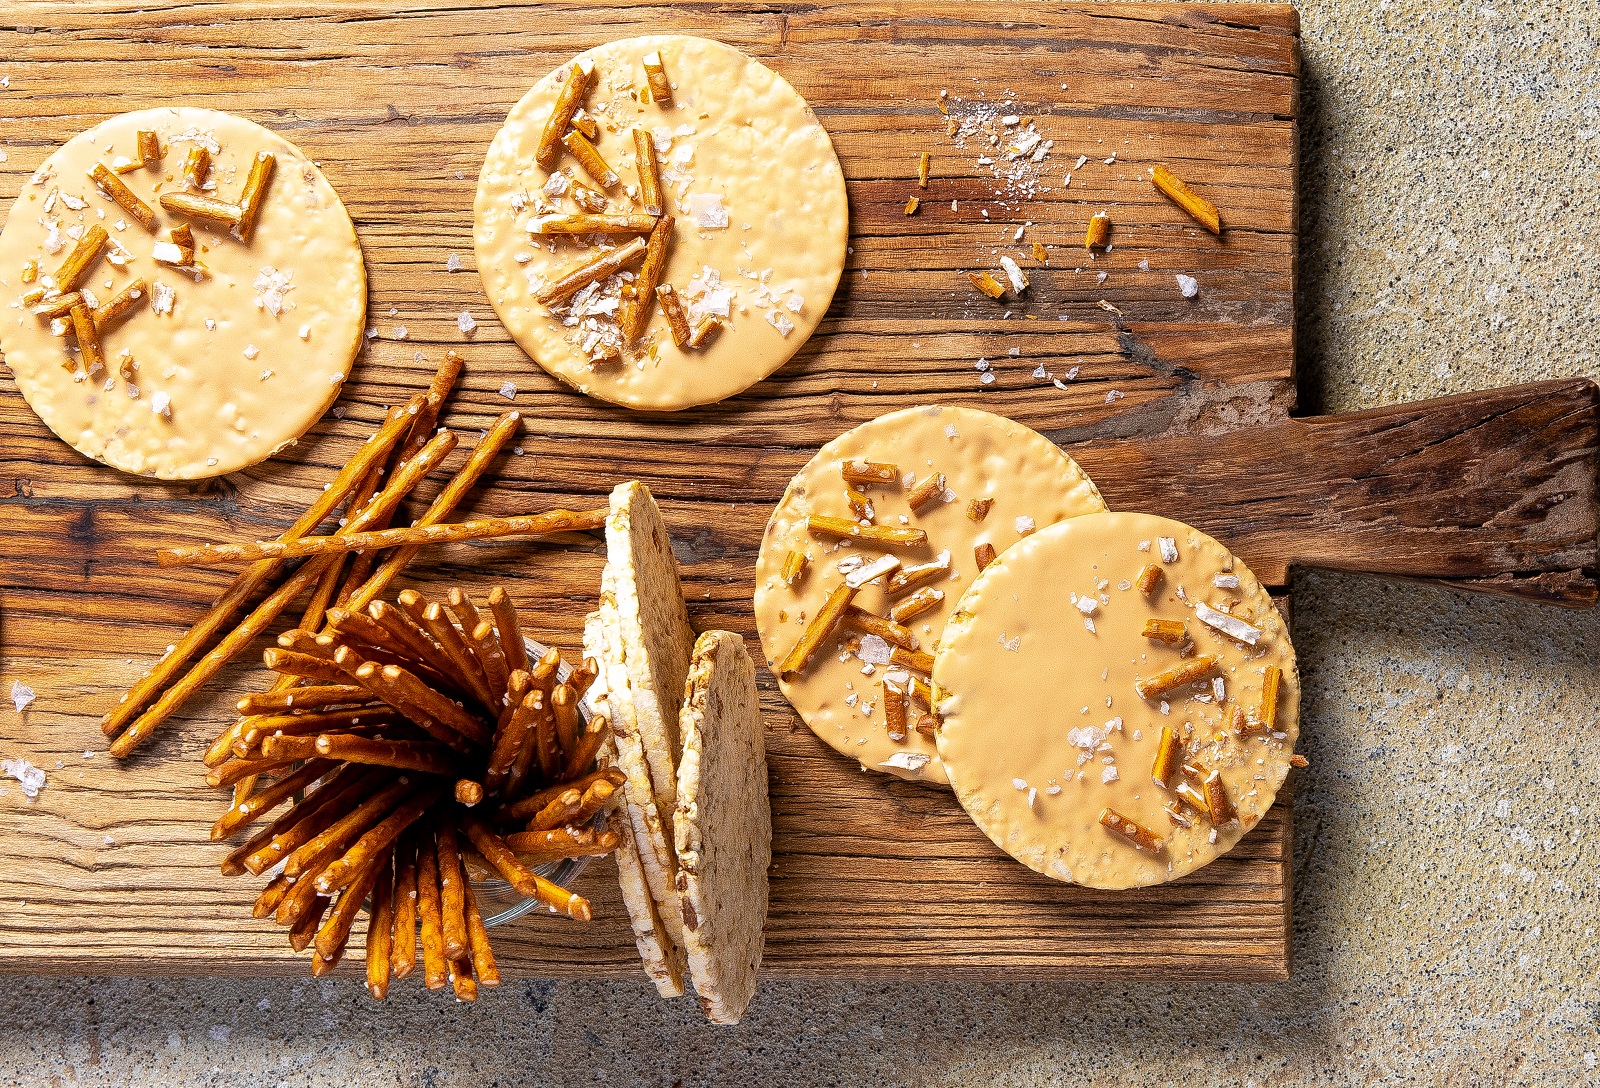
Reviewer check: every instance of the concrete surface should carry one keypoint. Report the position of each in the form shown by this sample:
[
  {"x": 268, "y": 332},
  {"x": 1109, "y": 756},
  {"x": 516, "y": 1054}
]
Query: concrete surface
[{"x": 1446, "y": 884}]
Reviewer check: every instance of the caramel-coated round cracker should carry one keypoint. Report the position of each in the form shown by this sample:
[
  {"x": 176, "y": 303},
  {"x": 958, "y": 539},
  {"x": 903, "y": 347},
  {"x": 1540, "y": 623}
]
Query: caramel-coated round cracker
[
  {"x": 243, "y": 357},
  {"x": 1037, "y": 671},
  {"x": 983, "y": 456},
  {"x": 736, "y": 137}
]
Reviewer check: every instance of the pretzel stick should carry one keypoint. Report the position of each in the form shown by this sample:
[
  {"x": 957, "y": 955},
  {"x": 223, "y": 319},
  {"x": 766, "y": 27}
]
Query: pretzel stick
[
  {"x": 255, "y": 192},
  {"x": 565, "y": 723},
  {"x": 149, "y": 148},
  {"x": 82, "y": 258},
  {"x": 407, "y": 687},
  {"x": 197, "y": 166},
  {"x": 405, "y": 904},
  {"x": 1176, "y": 677},
  {"x": 588, "y": 156},
  {"x": 303, "y": 930},
  {"x": 293, "y": 736},
  {"x": 575, "y": 223},
  {"x": 596, "y": 799},
  {"x": 891, "y": 632},
  {"x": 244, "y": 788},
  {"x": 582, "y": 757},
  {"x": 268, "y": 799},
  {"x": 528, "y": 752},
  {"x": 562, "y": 810},
  {"x": 886, "y": 535},
  {"x": 528, "y": 883},
  {"x": 237, "y": 770},
  {"x": 655, "y": 75},
  {"x": 377, "y": 841},
  {"x": 677, "y": 318},
  {"x": 126, "y": 199},
  {"x": 207, "y": 209},
  {"x": 542, "y": 677},
  {"x": 395, "y": 693},
  {"x": 517, "y": 688},
  {"x": 359, "y": 627},
  {"x": 271, "y": 896},
  {"x": 923, "y": 600},
  {"x": 302, "y": 895},
  {"x": 512, "y": 646},
  {"x": 489, "y": 652},
  {"x": 649, "y": 171},
  {"x": 599, "y": 268},
  {"x": 443, "y": 632},
  {"x": 511, "y": 741},
  {"x": 60, "y": 306},
  {"x": 303, "y": 666},
  {"x": 821, "y": 628},
  {"x": 529, "y": 806},
  {"x": 434, "y": 966},
  {"x": 380, "y": 932},
  {"x": 468, "y": 792},
  {"x": 90, "y": 354},
  {"x": 576, "y": 84},
  {"x": 1186, "y": 198},
  {"x": 335, "y": 930},
  {"x": 246, "y": 583},
  {"x": 582, "y": 676},
  {"x": 444, "y": 380},
  {"x": 636, "y": 308},
  {"x": 590, "y": 200},
  {"x": 446, "y": 501},
  {"x": 561, "y": 842},
  {"x": 483, "y": 965},
  {"x": 313, "y": 815},
  {"x": 452, "y": 904},
  {"x": 401, "y": 754},
  {"x": 912, "y": 659},
  {"x": 321, "y": 849},
  {"x": 320, "y": 968},
  {"x": 287, "y": 699},
  {"x": 415, "y": 640}
]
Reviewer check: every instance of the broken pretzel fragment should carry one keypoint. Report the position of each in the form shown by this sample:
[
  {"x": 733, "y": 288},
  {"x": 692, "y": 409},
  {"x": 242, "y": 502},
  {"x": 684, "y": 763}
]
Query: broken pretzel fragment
[
  {"x": 983, "y": 554},
  {"x": 923, "y": 600},
  {"x": 1168, "y": 756},
  {"x": 1186, "y": 198},
  {"x": 870, "y": 473},
  {"x": 919, "y": 660},
  {"x": 907, "y": 577},
  {"x": 89, "y": 352},
  {"x": 821, "y": 628},
  {"x": 197, "y": 166},
  {"x": 1149, "y": 578},
  {"x": 794, "y": 567},
  {"x": 125, "y": 198},
  {"x": 986, "y": 283},
  {"x": 207, "y": 209},
  {"x": 1099, "y": 232},
  {"x": 1176, "y": 677},
  {"x": 923, "y": 161},
  {"x": 585, "y": 274},
  {"x": 255, "y": 193},
  {"x": 913, "y": 202},
  {"x": 1268, "y": 711},
  {"x": 649, "y": 172},
  {"x": 589, "y": 223},
  {"x": 703, "y": 331},
  {"x": 868, "y": 623},
  {"x": 586, "y": 124},
  {"x": 575, "y": 86},
  {"x": 83, "y": 257},
  {"x": 120, "y": 305},
  {"x": 1298, "y": 760},
  {"x": 677, "y": 319},
  {"x": 978, "y": 509},
  {"x": 655, "y": 74},
  {"x": 590, "y": 200},
  {"x": 589, "y": 158},
  {"x": 925, "y": 492},
  {"x": 860, "y": 504},
  {"x": 149, "y": 148},
  {"x": 1142, "y": 837},
  {"x": 1217, "y": 803},
  {"x": 894, "y": 711},
  {"x": 885, "y": 535},
  {"x": 1172, "y": 632}
]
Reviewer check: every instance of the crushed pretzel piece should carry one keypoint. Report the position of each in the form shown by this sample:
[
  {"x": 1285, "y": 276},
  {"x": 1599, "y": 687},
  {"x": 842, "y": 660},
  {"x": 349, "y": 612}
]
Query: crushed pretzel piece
[
  {"x": 923, "y": 600},
  {"x": 197, "y": 166},
  {"x": 590, "y": 200},
  {"x": 1172, "y": 632},
  {"x": 586, "y": 124},
  {"x": 575, "y": 85},
  {"x": 924, "y": 160},
  {"x": 894, "y": 711},
  {"x": 886, "y": 535},
  {"x": 1168, "y": 756},
  {"x": 705, "y": 329},
  {"x": 1267, "y": 712},
  {"x": 1149, "y": 579},
  {"x": 655, "y": 74},
  {"x": 913, "y": 202},
  {"x": 1176, "y": 677},
  {"x": 907, "y": 577},
  {"x": 821, "y": 628},
  {"x": 984, "y": 554},
  {"x": 1099, "y": 232},
  {"x": 795, "y": 565},
  {"x": 1298, "y": 760},
  {"x": 978, "y": 509},
  {"x": 932, "y": 487},
  {"x": 860, "y": 503},
  {"x": 869, "y": 624},
  {"x": 1141, "y": 837},
  {"x": 125, "y": 198},
  {"x": 589, "y": 158},
  {"x": 870, "y": 473},
  {"x": 1039, "y": 253},
  {"x": 149, "y": 148},
  {"x": 986, "y": 283},
  {"x": 1186, "y": 198},
  {"x": 255, "y": 193},
  {"x": 927, "y": 723},
  {"x": 1217, "y": 803},
  {"x": 677, "y": 318},
  {"x": 918, "y": 660}
]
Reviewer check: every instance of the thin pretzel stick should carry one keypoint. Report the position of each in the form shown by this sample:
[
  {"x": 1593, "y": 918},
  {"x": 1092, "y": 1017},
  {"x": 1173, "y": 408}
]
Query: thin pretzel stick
[
  {"x": 506, "y": 626},
  {"x": 268, "y": 799},
  {"x": 60, "y": 306},
  {"x": 452, "y": 903},
  {"x": 360, "y": 629},
  {"x": 489, "y": 652},
  {"x": 517, "y": 688},
  {"x": 435, "y": 969},
  {"x": 528, "y": 883},
  {"x": 613, "y": 260},
  {"x": 126, "y": 198},
  {"x": 511, "y": 741},
  {"x": 590, "y": 200},
  {"x": 529, "y": 806},
  {"x": 649, "y": 171},
  {"x": 398, "y": 692},
  {"x": 677, "y": 318},
  {"x": 465, "y": 662},
  {"x": 468, "y": 792},
  {"x": 312, "y": 816},
  {"x": 923, "y": 600},
  {"x": 405, "y": 905},
  {"x": 293, "y": 736},
  {"x": 375, "y": 448},
  {"x": 576, "y": 84},
  {"x": 376, "y": 841},
  {"x": 891, "y": 632},
  {"x": 1186, "y": 198},
  {"x": 380, "y": 931},
  {"x": 582, "y": 757},
  {"x": 919, "y": 660},
  {"x": 591, "y": 223},
  {"x": 583, "y": 676},
  {"x": 243, "y": 788},
  {"x": 564, "y": 722},
  {"x": 446, "y": 501},
  {"x": 321, "y": 968},
  {"x": 914, "y": 575},
  {"x": 82, "y": 258},
  {"x": 402, "y": 627},
  {"x": 303, "y": 666},
  {"x": 528, "y": 752},
  {"x": 271, "y": 896},
  {"x": 301, "y": 898},
  {"x": 886, "y": 535},
  {"x": 303, "y": 931},
  {"x": 207, "y": 209},
  {"x": 335, "y": 929},
  {"x": 563, "y": 810},
  {"x": 543, "y": 675},
  {"x": 444, "y": 380},
  {"x": 589, "y": 157},
  {"x": 1176, "y": 677},
  {"x": 483, "y": 965},
  {"x": 636, "y": 309},
  {"x": 596, "y": 799},
  {"x": 235, "y": 771},
  {"x": 561, "y": 842},
  {"x": 1142, "y": 837},
  {"x": 197, "y": 166},
  {"x": 821, "y": 628},
  {"x": 319, "y": 851},
  {"x": 255, "y": 192},
  {"x": 287, "y": 699},
  {"x": 404, "y": 755},
  {"x": 89, "y": 352}
]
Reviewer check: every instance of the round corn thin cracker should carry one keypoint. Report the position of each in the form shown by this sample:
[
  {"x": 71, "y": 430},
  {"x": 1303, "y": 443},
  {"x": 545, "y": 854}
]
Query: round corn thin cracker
[
  {"x": 1027, "y": 481},
  {"x": 1044, "y": 729},
  {"x": 723, "y": 826},
  {"x": 663, "y": 960}
]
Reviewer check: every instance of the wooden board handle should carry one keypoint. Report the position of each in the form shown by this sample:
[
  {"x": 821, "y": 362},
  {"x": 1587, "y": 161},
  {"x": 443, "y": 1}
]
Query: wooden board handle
[{"x": 1493, "y": 491}]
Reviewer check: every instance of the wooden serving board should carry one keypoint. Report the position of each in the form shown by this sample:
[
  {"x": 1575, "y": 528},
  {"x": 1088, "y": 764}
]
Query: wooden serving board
[{"x": 110, "y": 870}]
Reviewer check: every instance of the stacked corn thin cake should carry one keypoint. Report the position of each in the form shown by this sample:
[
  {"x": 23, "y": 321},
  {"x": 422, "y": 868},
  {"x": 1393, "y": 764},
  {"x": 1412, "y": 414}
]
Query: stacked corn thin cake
[{"x": 696, "y": 827}]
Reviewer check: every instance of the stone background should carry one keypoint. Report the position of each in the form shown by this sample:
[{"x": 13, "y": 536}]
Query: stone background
[{"x": 1446, "y": 883}]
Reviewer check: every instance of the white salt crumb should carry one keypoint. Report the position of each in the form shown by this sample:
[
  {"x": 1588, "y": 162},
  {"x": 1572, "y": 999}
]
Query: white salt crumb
[
  {"x": 161, "y": 297},
  {"x": 21, "y": 695},
  {"x": 508, "y": 390},
  {"x": 950, "y": 431},
  {"x": 1232, "y": 626},
  {"x": 251, "y": 351},
  {"x": 464, "y": 322},
  {"x": 1019, "y": 783},
  {"x": 1144, "y": 266},
  {"x": 1109, "y": 774},
  {"x": 907, "y": 761},
  {"x": 305, "y": 332},
  {"x": 780, "y": 322},
  {"x": 1014, "y": 273},
  {"x": 1226, "y": 581},
  {"x": 161, "y": 404},
  {"x": 1114, "y": 396},
  {"x": 1014, "y": 645},
  {"x": 986, "y": 378},
  {"x": 399, "y": 332},
  {"x": 1219, "y": 689},
  {"x": 31, "y": 777},
  {"x": 1088, "y": 625},
  {"x": 452, "y": 263},
  {"x": 1169, "y": 549},
  {"x": 1033, "y": 795},
  {"x": 1024, "y": 524},
  {"x": 272, "y": 290},
  {"x": 707, "y": 211},
  {"x": 874, "y": 650},
  {"x": 1188, "y": 285}
]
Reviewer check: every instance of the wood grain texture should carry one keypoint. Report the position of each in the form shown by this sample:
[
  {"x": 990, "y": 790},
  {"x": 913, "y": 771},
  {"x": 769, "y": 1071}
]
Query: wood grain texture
[{"x": 110, "y": 870}]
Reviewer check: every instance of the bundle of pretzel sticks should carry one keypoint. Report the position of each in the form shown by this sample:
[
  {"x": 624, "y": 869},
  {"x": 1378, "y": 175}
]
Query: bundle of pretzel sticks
[{"x": 390, "y": 722}]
